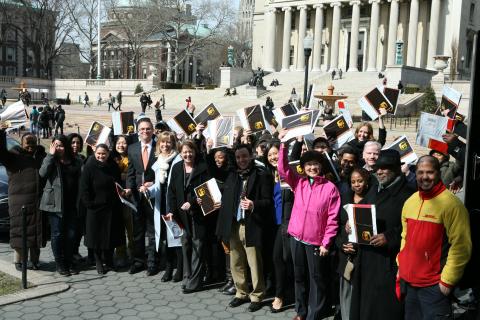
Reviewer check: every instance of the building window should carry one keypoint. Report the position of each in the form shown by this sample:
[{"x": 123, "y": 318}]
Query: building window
[
  {"x": 11, "y": 54},
  {"x": 309, "y": 20},
  {"x": 468, "y": 58},
  {"x": 292, "y": 55},
  {"x": 322, "y": 55},
  {"x": 472, "y": 12},
  {"x": 360, "y": 45},
  {"x": 11, "y": 71},
  {"x": 293, "y": 21}
]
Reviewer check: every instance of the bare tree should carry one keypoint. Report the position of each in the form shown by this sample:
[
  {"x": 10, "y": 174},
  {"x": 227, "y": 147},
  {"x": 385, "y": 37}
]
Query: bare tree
[
  {"x": 83, "y": 14},
  {"x": 454, "y": 59},
  {"x": 43, "y": 26}
]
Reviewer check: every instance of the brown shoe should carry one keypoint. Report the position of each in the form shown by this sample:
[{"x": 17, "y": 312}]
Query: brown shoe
[{"x": 297, "y": 317}]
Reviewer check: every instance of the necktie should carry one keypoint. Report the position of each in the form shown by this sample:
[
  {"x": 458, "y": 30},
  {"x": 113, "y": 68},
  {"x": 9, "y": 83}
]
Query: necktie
[{"x": 145, "y": 157}]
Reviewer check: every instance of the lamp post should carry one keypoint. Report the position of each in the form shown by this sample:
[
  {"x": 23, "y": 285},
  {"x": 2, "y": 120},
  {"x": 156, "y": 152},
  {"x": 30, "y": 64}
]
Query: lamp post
[
  {"x": 99, "y": 51},
  {"x": 307, "y": 47}
]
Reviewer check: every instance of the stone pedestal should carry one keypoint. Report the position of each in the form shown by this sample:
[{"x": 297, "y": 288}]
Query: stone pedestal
[{"x": 254, "y": 92}]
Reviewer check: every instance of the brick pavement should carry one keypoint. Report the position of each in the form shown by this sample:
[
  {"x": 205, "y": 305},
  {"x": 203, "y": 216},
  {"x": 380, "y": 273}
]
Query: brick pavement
[{"x": 119, "y": 295}]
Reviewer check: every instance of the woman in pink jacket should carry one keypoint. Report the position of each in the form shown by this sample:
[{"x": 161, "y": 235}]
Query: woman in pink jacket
[{"x": 313, "y": 225}]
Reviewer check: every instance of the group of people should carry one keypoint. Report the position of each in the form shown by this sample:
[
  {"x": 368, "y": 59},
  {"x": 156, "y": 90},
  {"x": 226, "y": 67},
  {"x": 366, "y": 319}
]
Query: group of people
[
  {"x": 274, "y": 83},
  {"x": 280, "y": 224},
  {"x": 47, "y": 121},
  {"x": 229, "y": 92}
]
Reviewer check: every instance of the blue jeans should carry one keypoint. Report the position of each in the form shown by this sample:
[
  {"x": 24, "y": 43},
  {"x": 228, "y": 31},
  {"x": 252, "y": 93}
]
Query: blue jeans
[
  {"x": 62, "y": 239},
  {"x": 33, "y": 127},
  {"x": 427, "y": 303}
]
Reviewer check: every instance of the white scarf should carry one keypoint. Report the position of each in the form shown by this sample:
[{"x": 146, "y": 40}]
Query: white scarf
[{"x": 163, "y": 165}]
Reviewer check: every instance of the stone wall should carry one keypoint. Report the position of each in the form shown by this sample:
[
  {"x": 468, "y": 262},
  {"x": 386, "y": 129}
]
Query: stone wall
[{"x": 233, "y": 77}]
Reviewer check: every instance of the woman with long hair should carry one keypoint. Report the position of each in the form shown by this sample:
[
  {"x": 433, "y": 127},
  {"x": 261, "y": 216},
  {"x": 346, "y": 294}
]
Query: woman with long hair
[
  {"x": 359, "y": 185},
  {"x": 76, "y": 143},
  {"x": 61, "y": 170},
  {"x": 364, "y": 133},
  {"x": 166, "y": 152},
  {"x": 104, "y": 229},
  {"x": 187, "y": 174},
  {"x": 283, "y": 200},
  {"x": 120, "y": 157},
  {"x": 312, "y": 227}
]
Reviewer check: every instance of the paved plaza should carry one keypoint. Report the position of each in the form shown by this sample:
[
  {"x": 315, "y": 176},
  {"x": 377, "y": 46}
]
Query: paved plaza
[{"x": 119, "y": 295}]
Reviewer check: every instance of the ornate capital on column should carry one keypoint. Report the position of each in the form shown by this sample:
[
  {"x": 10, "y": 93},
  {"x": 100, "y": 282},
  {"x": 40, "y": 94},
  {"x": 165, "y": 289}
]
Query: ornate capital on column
[
  {"x": 302, "y": 7},
  {"x": 287, "y": 9},
  {"x": 271, "y": 10},
  {"x": 335, "y": 4},
  {"x": 355, "y": 2},
  {"x": 394, "y": 0},
  {"x": 374, "y": 1},
  {"x": 318, "y": 6}
]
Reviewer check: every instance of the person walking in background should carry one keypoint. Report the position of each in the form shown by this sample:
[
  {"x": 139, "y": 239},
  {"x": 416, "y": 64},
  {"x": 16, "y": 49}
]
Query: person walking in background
[
  {"x": 59, "y": 119},
  {"x": 340, "y": 73},
  {"x": 61, "y": 171},
  {"x": 149, "y": 102},
  {"x": 24, "y": 190},
  {"x": 3, "y": 97},
  {"x": 99, "y": 99},
  {"x": 110, "y": 102},
  {"x": 34, "y": 115},
  {"x": 333, "y": 74},
  {"x": 144, "y": 102},
  {"x": 85, "y": 101},
  {"x": 119, "y": 101},
  {"x": 162, "y": 101}
]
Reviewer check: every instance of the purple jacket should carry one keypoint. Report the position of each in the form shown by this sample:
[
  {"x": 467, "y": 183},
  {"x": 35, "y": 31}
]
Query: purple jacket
[{"x": 316, "y": 207}]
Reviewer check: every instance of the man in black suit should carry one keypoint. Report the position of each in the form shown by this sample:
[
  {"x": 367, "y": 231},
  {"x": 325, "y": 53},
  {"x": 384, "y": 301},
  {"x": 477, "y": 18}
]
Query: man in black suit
[
  {"x": 247, "y": 210},
  {"x": 141, "y": 157}
]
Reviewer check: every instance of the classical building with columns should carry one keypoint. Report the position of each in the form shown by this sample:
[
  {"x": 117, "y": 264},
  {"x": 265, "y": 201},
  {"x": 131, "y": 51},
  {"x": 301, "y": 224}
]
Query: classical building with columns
[{"x": 363, "y": 35}]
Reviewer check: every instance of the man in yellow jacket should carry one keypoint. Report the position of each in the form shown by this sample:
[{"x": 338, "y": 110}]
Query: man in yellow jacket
[{"x": 436, "y": 245}]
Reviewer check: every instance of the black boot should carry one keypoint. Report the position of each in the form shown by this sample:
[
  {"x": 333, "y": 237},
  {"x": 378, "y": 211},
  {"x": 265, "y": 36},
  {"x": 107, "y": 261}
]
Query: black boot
[
  {"x": 167, "y": 276},
  {"x": 229, "y": 289},
  {"x": 99, "y": 262}
]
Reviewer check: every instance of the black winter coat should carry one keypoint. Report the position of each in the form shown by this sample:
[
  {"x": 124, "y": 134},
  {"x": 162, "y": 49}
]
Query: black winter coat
[
  {"x": 260, "y": 191},
  {"x": 181, "y": 191},
  {"x": 373, "y": 295},
  {"x": 24, "y": 189},
  {"x": 104, "y": 222}
]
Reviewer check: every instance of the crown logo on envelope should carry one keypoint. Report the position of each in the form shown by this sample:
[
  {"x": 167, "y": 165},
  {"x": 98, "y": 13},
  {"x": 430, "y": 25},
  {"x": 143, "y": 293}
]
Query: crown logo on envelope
[
  {"x": 201, "y": 192},
  {"x": 299, "y": 169},
  {"x": 225, "y": 139},
  {"x": 385, "y": 106},
  {"x": 403, "y": 145},
  {"x": 258, "y": 125},
  {"x": 341, "y": 124},
  {"x": 191, "y": 127},
  {"x": 96, "y": 127},
  {"x": 130, "y": 129},
  {"x": 305, "y": 118},
  {"x": 210, "y": 111},
  {"x": 366, "y": 235}
]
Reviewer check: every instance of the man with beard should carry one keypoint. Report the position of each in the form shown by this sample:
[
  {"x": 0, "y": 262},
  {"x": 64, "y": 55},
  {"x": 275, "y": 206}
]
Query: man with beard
[
  {"x": 24, "y": 190},
  {"x": 436, "y": 245},
  {"x": 373, "y": 282},
  {"x": 247, "y": 207}
]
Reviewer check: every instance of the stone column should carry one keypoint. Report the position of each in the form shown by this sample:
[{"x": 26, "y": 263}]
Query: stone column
[
  {"x": 194, "y": 71},
  {"x": 186, "y": 68},
  {"x": 335, "y": 34},
  {"x": 354, "y": 36},
  {"x": 287, "y": 30},
  {"x": 392, "y": 32},
  {"x": 302, "y": 30},
  {"x": 412, "y": 33},
  {"x": 372, "y": 48},
  {"x": 317, "y": 38},
  {"x": 169, "y": 63},
  {"x": 269, "y": 62},
  {"x": 433, "y": 33}
]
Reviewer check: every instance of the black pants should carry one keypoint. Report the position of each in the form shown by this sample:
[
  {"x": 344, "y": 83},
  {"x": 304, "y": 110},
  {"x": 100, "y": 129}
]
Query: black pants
[
  {"x": 282, "y": 263},
  {"x": 144, "y": 106},
  {"x": 62, "y": 230},
  {"x": 310, "y": 272},
  {"x": 59, "y": 125},
  {"x": 427, "y": 303},
  {"x": 143, "y": 224},
  {"x": 193, "y": 245}
]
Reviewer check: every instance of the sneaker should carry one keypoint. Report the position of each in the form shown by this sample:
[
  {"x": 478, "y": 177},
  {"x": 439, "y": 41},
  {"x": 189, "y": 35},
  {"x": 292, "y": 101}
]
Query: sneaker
[{"x": 18, "y": 266}]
